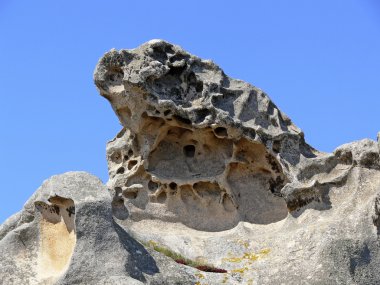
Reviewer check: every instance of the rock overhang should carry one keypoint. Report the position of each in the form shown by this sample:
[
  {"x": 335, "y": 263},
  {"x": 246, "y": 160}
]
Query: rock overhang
[
  {"x": 186, "y": 124},
  {"x": 204, "y": 171}
]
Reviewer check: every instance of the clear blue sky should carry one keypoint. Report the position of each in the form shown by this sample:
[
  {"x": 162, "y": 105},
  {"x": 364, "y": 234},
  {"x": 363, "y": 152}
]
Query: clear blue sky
[{"x": 318, "y": 60}]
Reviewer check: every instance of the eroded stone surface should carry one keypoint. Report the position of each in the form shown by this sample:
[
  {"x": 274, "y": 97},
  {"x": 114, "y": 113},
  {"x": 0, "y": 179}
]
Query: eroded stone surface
[
  {"x": 215, "y": 153},
  {"x": 57, "y": 236},
  {"x": 197, "y": 146},
  {"x": 208, "y": 167},
  {"x": 69, "y": 237}
]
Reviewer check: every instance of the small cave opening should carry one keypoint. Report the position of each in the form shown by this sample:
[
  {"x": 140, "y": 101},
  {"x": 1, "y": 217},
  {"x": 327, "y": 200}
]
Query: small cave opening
[
  {"x": 173, "y": 185},
  {"x": 201, "y": 114},
  {"x": 120, "y": 170},
  {"x": 199, "y": 86},
  {"x": 118, "y": 191},
  {"x": 152, "y": 186},
  {"x": 221, "y": 132},
  {"x": 116, "y": 157},
  {"x": 183, "y": 120},
  {"x": 131, "y": 164},
  {"x": 189, "y": 150},
  {"x": 115, "y": 76},
  {"x": 176, "y": 70}
]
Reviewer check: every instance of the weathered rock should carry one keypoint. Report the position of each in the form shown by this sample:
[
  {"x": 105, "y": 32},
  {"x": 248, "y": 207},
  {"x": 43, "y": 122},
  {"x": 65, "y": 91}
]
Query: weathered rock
[
  {"x": 195, "y": 141},
  {"x": 66, "y": 235},
  {"x": 207, "y": 170}
]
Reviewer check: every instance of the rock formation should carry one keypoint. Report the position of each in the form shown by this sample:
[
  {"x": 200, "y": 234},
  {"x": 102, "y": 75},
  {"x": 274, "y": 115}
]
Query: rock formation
[{"x": 209, "y": 183}]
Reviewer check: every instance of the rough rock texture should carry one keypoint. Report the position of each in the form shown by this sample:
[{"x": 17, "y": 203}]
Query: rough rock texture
[
  {"x": 195, "y": 142},
  {"x": 207, "y": 167},
  {"x": 66, "y": 235}
]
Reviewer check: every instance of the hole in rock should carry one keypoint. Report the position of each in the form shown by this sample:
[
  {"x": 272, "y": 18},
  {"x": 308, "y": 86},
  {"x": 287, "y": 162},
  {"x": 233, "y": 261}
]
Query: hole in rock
[
  {"x": 221, "y": 132},
  {"x": 118, "y": 208},
  {"x": 176, "y": 70},
  {"x": 120, "y": 170},
  {"x": 167, "y": 112},
  {"x": 152, "y": 186},
  {"x": 116, "y": 157},
  {"x": 131, "y": 164},
  {"x": 189, "y": 150},
  {"x": 173, "y": 185},
  {"x": 118, "y": 191},
  {"x": 344, "y": 157},
  {"x": 114, "y": 79},
  {"x": 173, "y": 158},
  {"x": 199, "y": 86},
  {"x": 130, "y": 152},
  {"x": 200, "y": 115},
  {"x": 182, "y": 119},
  {"x": 159, "y": 54},
  {"x": 169, "y": 49},
  {"x": 177, "y": 57}
]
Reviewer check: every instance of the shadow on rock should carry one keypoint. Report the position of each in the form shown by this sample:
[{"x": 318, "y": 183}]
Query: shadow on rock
[{"x": 139, "y": 261}]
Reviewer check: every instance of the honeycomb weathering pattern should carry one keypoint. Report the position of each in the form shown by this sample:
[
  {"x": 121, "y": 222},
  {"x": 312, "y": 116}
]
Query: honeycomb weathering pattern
[
  {"x": 207, "y": 169},
  {"x": 196, "y": 146}
]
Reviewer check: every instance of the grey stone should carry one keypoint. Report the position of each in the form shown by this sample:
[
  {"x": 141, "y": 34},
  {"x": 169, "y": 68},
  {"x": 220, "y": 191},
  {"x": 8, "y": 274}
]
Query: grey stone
[
  {"x": 205, "y": 168},
  {"x": 72, "y": 238}
]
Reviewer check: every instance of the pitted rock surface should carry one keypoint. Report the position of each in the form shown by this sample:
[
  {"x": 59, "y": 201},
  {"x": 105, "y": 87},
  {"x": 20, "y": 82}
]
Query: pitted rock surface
[
  {"x": 205, "y": 168},
  {"x": 195, "y": 142}
]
